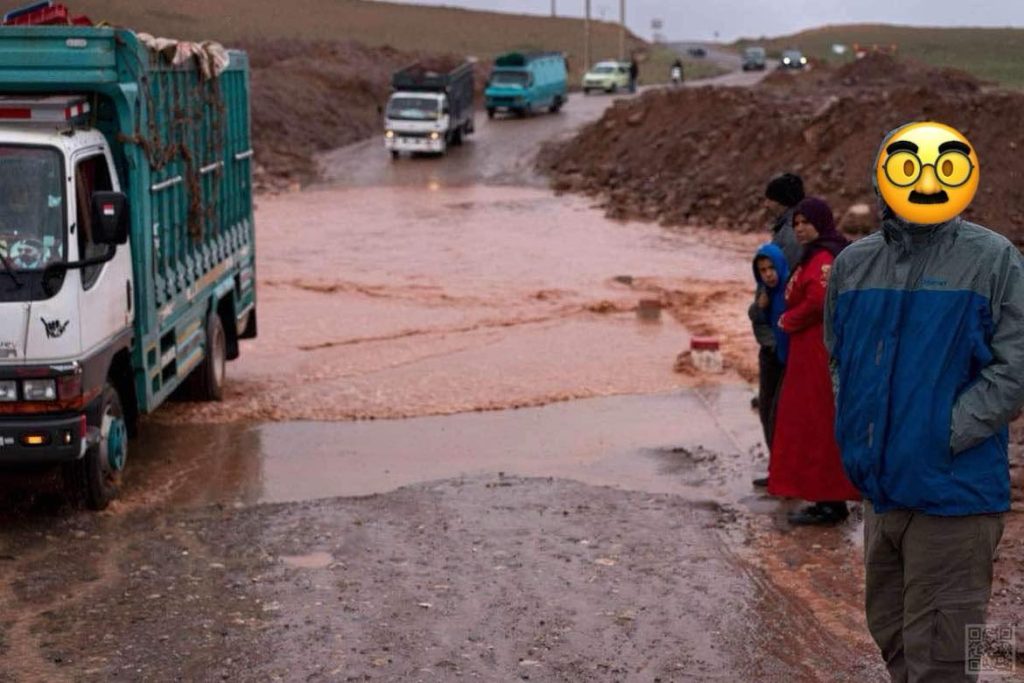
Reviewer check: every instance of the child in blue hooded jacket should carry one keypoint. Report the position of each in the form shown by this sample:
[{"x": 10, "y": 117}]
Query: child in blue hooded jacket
[{"x": 771, "y": 272}]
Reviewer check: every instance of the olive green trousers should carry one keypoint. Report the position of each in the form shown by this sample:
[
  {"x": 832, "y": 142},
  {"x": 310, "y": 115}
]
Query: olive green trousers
[{"x": 927, "y": 579}]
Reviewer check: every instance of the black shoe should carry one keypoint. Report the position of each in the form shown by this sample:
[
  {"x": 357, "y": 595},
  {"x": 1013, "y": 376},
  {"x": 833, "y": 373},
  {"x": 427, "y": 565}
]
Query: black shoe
[
  {"x": 820, "y": 514},
  {"x": 761, "y": 482}
]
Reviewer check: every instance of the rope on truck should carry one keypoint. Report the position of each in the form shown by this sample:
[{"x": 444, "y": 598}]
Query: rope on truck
[{"x": 188, "y": 111}]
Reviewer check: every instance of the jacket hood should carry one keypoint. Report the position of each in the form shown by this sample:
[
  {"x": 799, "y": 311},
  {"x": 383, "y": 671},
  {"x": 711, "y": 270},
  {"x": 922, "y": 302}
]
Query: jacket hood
[
  {"x": 778, "y": 260},
  {"x": 896, "y": 230}
]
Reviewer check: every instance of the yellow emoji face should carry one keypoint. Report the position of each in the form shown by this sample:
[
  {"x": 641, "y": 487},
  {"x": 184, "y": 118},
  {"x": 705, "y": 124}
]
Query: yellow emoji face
[{"x": 927, "y": 173}]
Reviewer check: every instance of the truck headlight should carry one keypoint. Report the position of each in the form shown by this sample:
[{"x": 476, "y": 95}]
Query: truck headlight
[
  {"x": 803, "y": 60},
  {"x": 786, "y": 60},
  {"x": 389, "y": 133},
  {"x": 435, "y": 135},
  {"x": 39, "y": 389},
  {"x": 8, "y": 390}
]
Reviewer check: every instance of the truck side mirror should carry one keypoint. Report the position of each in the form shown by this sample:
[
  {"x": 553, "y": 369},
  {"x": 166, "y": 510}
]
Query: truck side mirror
[{"x": 109, "y": 218}]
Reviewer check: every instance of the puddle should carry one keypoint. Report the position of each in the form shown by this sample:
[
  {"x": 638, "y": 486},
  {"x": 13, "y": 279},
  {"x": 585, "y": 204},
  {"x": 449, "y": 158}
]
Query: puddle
[{"x": 693, "y": 442}]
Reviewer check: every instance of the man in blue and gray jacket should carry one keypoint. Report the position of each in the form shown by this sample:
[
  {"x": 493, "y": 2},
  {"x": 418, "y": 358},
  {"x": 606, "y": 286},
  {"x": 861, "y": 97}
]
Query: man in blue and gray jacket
[{"x": 925, "y": 326}]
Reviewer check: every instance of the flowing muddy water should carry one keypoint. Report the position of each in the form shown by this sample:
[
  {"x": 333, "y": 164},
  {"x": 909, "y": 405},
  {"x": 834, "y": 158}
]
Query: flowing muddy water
[{"x": 395, "y": 302}]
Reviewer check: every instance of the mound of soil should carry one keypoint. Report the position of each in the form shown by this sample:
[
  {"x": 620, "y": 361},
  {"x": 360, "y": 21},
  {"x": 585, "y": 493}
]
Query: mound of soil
[
  {"x": 704, "y": 156},
  {"x": 309, "y": 97}
]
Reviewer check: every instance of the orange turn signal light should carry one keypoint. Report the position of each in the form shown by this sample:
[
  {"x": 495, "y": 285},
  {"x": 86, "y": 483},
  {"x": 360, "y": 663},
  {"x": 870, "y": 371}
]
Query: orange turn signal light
[{"x": 34, "y": 439}]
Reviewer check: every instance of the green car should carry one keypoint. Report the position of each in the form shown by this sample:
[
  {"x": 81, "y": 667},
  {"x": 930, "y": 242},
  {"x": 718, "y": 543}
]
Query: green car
[{"x": 608, "y": 76}]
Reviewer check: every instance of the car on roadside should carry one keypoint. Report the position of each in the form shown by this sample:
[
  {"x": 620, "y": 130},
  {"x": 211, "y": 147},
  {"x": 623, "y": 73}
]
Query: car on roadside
[
  {"x": 754, "y": 59},
  {"x": 608, "y": 76},
  {"x": 697, "y": 51},
  {"x": 792, "y": 59}
]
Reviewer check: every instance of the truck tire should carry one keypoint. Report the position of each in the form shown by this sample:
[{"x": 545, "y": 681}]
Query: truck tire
[
  {"x": 556, "y": 105},
  {"x": 586, "y": 91},
  {"x": 95, "y": 479},
  {"x": 456, "y": 137},
  {"x": 490, "y": 113},
  {"x": 206, "y": 383},
  {"x": 395, "y": 154}
]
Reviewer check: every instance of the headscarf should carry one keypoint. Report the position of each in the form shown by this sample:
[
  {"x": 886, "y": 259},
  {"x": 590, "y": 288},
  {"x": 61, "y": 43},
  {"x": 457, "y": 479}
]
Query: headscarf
[
  {"x": 786, "y": 189},
  {"x": 819, "y": 214},
  {"x": 777, "y": 294}
]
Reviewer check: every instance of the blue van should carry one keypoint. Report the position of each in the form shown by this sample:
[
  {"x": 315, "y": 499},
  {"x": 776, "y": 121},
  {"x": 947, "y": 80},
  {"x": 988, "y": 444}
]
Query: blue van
[{"x": 523, "y": 83}]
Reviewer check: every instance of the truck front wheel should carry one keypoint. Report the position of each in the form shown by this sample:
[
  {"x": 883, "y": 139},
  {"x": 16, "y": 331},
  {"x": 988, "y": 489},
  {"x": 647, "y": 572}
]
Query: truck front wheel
[
  {"x": 95, "y": 479},
  {"x": 206, "y": 383},
  {"x": 490, "y": 113},
  {"x": 395, "y": 154}
]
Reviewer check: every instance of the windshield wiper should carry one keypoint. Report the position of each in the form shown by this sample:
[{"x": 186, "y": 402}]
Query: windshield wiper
[{"x": 10, "y": 270}]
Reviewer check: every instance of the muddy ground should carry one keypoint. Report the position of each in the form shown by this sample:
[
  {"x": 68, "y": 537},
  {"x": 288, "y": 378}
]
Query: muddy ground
[{"x": 540, "y": 495}]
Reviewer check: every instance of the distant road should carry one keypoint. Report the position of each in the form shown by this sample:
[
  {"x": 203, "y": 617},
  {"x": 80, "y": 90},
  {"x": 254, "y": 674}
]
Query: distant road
[
  {"x": 501, "y": 152},
  {"x": 726, "y": 59}
]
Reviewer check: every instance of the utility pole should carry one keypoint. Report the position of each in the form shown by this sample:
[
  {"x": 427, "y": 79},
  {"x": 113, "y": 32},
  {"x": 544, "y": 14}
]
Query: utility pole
[
  {"x": 586, "y": 38},
  {"x": 554, "y": 11},
  {"x": 622, "y": 30}
]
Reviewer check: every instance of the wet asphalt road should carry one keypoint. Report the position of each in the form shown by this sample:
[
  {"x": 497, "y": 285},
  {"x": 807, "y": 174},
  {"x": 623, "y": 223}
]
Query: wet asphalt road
[
  {"x": 612, "y": 538},
  {"x": 500, "y": 152}
]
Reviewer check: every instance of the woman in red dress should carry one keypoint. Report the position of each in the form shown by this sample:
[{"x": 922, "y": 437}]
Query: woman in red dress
[{"x": 805, "y": 459}]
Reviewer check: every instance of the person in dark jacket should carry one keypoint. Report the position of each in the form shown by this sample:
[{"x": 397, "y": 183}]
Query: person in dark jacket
[
  {"x": 634, "y": 74},
  {"x": 805, "y": 460},
  {"x": 785, "y": 190},
  {"x": 925, "y": 326},
  {"x": 770, "y": 273}
]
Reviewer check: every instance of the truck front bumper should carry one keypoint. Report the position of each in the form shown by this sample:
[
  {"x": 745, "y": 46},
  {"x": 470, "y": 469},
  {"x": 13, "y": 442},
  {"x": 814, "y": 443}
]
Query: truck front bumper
[
  {"x": 42, "y": 440},
  {"x": 400, "y": 143}
]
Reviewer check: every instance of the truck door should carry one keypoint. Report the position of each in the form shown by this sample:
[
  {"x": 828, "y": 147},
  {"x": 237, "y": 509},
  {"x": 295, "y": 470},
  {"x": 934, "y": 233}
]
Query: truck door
[{"x": 106, "y": 299}]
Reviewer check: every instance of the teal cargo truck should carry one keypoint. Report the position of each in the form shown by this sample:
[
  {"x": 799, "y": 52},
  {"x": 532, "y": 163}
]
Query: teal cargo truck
[
  {"x": 524, "y": 83},
  {"x": 126, "y": 242}
]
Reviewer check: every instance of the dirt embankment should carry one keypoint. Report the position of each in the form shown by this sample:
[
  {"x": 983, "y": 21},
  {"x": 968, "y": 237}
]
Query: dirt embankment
[
  {"x": 309, "y": 97},
  {"x": 703, "y": 156}
]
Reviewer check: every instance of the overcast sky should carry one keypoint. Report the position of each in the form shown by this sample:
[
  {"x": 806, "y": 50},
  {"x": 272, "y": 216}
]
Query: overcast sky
[{"x": 700, "y": 19}]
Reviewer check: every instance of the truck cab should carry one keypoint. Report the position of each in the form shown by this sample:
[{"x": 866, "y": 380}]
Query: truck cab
[
  {"x": 59, "y": 323},
  {"x": 417, "y": 122}
]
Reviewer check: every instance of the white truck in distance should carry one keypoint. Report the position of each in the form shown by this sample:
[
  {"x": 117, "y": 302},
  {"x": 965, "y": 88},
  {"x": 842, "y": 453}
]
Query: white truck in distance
[{"x": 431, "y": 108}]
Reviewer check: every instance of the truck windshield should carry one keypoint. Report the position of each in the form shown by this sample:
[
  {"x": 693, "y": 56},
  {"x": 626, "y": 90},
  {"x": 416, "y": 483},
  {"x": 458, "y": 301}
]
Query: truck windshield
[
  {"x": 31, "y": 207},
  {"x": 510, "y": 78},
  {"x": 413, "y": 108}
]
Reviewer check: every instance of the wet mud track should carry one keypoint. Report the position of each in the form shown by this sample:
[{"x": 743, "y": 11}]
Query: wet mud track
[{"x": 487, "y": 578}]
